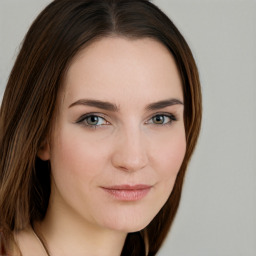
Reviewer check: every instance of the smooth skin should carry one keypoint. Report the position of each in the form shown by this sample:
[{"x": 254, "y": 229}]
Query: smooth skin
[{"x": 119, "y": 121}]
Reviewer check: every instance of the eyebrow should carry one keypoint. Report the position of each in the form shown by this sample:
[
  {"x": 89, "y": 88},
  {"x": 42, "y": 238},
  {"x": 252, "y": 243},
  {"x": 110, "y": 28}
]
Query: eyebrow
[
  {"x": 114, "y": 108},
  {"x": 96, "y": 103},
  {"x": 163, "y": 104}
]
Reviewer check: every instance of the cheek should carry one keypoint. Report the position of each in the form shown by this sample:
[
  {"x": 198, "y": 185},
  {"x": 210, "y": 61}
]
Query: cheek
[
  {"x": 77, "y": 155},
  {"x": 169, "y": 160},
  {"x": 77, "y": 163},
  {"x": 170, "y": 150},
  {"x": 173, "y": 158}
]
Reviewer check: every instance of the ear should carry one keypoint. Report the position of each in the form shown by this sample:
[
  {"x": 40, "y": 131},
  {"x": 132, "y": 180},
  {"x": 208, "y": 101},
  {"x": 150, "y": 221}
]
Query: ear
[{"x": 44, "y": 151}]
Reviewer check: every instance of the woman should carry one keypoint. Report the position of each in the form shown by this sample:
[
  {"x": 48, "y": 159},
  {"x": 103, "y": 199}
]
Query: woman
[{"x": 98, "y": 122}]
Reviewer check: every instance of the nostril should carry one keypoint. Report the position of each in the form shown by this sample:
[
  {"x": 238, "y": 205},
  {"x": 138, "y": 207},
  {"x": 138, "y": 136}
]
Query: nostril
[
  {"x": 130, "y": 151},
  {"x": 129, "y": 162}
]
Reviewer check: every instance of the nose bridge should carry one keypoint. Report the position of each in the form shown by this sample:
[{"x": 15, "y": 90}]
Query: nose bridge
[{"x": 130, "y": 153}]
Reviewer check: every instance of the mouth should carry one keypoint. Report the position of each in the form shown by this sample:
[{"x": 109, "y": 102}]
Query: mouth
[{"x": 128, "y": 192}]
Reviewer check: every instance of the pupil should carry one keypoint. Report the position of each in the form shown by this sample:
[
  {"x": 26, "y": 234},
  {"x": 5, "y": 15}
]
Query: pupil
[
  {"x": 159, "y": 119},
  {"x": 93, "y": 120}
]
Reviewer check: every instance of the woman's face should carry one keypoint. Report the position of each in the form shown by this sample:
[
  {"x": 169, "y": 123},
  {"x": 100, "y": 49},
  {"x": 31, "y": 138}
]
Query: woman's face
[{"x": 118, "y": 140}]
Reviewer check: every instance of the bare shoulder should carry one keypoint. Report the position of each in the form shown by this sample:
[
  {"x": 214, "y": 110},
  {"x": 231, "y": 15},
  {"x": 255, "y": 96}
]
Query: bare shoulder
[{"x": 28, "y": 243}]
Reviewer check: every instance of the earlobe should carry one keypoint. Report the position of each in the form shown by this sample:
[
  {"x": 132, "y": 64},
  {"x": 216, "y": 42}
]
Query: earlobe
[{"x": 44, "y": 151}]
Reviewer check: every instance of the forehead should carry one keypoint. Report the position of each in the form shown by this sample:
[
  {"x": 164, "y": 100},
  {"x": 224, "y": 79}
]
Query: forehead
[{"x": 116, "y": 68}]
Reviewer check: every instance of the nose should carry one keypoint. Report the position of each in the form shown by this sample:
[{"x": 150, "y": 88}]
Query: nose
[{"x": 130, "y": 153}]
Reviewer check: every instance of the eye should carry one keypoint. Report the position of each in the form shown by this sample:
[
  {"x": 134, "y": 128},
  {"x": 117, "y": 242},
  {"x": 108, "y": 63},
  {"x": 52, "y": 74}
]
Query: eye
[
  {"x": 162, "y": 119},
  {"x": 92, "y": 120},
  {"x": 159, "y": 119}
]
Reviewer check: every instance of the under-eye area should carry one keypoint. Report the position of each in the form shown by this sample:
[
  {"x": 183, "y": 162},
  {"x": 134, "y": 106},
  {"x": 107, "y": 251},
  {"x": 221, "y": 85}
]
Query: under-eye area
[{"x": 101, "y": 164}]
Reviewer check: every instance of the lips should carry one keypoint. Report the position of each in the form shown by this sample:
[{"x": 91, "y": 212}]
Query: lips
[{"x": 128, "y": 192}]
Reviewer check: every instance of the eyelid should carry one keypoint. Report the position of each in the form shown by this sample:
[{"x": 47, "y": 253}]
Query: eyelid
[
  {"x": 169, "y": 114},
  {"x": 83, "y": 117},
  {"x": 166, "y": 114}
]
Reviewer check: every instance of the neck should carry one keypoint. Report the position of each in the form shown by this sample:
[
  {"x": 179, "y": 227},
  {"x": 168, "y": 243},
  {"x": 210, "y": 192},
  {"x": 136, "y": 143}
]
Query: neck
[{"x": 67, "y": 234}]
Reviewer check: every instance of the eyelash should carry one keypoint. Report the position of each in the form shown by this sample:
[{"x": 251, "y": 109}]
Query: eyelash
[
  {"x": 83, "y": 120},
  {"x": 165, "y": 115}
]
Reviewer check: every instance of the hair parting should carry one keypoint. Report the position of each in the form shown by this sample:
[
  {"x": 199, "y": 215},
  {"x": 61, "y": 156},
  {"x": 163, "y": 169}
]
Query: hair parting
[{"x": 60, "y": 31}]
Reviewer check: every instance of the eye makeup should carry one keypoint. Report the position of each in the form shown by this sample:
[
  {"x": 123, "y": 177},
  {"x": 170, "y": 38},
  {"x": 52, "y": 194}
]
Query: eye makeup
[
  {"x": 93, "y": 120},
  {"x": 162, "y": 119},
  {"x": 99, "y": 120}
]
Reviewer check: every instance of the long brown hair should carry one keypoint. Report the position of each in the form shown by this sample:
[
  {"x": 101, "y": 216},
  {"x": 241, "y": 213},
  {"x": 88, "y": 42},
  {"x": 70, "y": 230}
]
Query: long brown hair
[{"x": 61, "y": 30}]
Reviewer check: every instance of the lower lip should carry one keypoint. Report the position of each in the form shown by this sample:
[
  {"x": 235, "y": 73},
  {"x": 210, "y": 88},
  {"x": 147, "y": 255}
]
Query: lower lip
[{"x": 128, "y": 194}]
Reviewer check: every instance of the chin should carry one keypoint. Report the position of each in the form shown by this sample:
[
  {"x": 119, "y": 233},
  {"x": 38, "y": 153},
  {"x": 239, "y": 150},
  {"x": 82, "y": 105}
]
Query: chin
[{"x": 130, "y": 224}]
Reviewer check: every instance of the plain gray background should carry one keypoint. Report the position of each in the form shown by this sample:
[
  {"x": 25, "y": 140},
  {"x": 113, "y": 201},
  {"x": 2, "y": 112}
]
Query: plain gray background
[{"x": 217, "y": 215}]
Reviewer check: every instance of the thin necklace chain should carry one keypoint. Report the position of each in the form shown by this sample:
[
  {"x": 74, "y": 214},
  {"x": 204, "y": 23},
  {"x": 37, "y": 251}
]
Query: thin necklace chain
[{"x": 41, "y": 241}]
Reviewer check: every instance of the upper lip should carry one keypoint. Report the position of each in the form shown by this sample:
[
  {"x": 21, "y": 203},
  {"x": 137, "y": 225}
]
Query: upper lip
[{"x": 128, "y": 187}]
